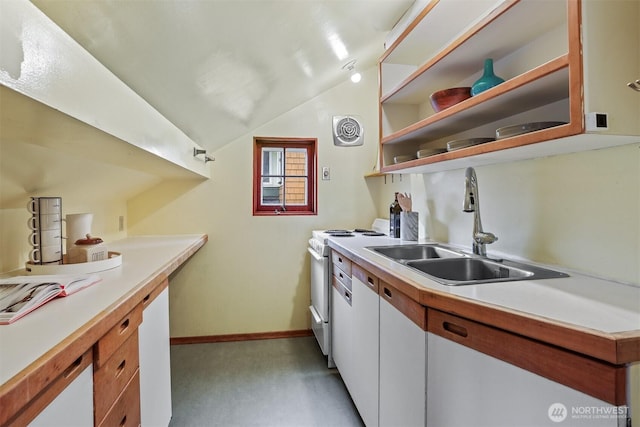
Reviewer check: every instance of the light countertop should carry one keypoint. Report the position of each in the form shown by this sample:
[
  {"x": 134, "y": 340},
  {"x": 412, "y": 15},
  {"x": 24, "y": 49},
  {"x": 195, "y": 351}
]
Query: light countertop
[
  {"x": 143, "y": 259},
  {"x": 594, "y": 306}
]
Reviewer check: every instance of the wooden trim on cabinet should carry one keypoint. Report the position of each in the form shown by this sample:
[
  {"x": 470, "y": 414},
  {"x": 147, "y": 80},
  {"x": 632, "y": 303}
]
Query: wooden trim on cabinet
[
  {"x": 153, "y": 294},
  {"x": 407, "y": 306},
  {"x": 589, "y": 342},
  {"x": 576, "y": 94},
  {"x": 48, "y": 395},
  {"x": 595, "y": 378},
  {"x": 408, "y": 30},
  {"x": 370, "y": 280}
]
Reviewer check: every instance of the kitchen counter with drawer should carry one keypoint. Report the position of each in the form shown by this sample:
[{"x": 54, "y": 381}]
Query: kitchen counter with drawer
[
  {"x": 578, "y": 332},
  {"x": 588, "y": 315},
  {"x": 41, "y": 347}
]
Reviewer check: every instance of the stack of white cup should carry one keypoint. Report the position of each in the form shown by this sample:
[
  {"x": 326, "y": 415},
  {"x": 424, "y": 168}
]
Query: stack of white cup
[{"x": 45, "y": 224}]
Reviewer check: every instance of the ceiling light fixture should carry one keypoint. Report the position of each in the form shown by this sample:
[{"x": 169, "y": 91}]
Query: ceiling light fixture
[{"x": 351, "y": 67}]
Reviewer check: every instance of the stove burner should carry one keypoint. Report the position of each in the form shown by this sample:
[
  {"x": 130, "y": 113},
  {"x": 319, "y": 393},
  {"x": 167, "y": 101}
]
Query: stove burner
[
  {"x": 348, "y": 233},
  {"x": 362, "y": 230},
  {"x": 339, "y": 233}
]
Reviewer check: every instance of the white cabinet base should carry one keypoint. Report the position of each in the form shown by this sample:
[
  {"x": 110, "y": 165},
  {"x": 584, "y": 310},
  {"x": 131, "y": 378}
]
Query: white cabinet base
[
  {"x": 155, "y": 363},
  {"x": 403, "y": 368},
  {"x": 72, "y": 407},
  {"x": 468, "y": 388}
]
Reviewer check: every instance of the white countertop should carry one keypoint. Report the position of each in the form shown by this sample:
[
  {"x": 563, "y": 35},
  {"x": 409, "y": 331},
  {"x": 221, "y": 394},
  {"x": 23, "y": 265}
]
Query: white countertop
[
  {"x": 604, "y": 306},
  {"x": 30, "y": 337}
]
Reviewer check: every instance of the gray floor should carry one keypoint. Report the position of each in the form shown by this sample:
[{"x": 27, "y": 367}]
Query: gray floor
[{"x": 279, "y": 382}]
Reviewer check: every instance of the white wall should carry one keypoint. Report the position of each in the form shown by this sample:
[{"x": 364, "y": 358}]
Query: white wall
[
  {"x": 580, "y": 211},
  {"x": 253, "y": 275}
]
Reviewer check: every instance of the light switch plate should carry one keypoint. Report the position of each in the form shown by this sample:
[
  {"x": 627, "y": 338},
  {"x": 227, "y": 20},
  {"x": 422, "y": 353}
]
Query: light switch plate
[{"x": 326, "y": 173}]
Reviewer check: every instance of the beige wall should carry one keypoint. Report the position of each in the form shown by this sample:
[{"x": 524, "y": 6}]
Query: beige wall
[
  {"x": 253, "y": 275},
  {"x": 580, "y": 211}
]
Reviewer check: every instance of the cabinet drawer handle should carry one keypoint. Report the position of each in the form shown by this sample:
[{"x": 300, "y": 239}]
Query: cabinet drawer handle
[
  {"x": 123, "y": 421},
  {"x": 340, "y": 260},
  {"x": 147, "y": 298},
  {"x": 455, "y": 329},
  {"x": 347, "y": 295},
  {"x": 388, "y": 293},
  {"x": 72, "y": 368},
  {"x": 120, "y": 368},
  {"x": 124, "y": 326},
  {"x": 370, "y": 280}
]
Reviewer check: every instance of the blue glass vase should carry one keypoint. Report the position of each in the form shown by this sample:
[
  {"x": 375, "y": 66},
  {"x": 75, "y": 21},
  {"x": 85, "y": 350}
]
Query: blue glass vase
[{"x": 488, "y": 79}]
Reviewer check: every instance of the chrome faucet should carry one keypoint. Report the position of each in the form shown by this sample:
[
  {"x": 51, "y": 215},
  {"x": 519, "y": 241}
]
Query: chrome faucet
[{"x": 472, "y": 204}]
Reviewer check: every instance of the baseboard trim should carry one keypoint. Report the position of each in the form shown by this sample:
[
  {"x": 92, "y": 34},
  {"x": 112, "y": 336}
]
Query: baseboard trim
[{"x": 240, "y": 337}]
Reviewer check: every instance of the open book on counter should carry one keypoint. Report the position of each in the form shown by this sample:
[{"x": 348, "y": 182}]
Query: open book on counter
[{"x": 21, "y": 295}]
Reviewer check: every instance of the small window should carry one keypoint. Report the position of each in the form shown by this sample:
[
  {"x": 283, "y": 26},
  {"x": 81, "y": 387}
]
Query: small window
[{"x": 284, "y": 176}]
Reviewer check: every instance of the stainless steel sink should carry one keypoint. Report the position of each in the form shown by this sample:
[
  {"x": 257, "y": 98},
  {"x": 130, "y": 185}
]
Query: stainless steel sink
[
  {"x": 471, "y": 271},
  {"x": 451, "y": 267},
  {"x": 402, "y": 253}
]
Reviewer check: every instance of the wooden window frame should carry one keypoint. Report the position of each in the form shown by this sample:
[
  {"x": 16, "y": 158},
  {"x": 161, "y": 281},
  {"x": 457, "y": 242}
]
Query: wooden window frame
[{"x": 311, "y": 145}]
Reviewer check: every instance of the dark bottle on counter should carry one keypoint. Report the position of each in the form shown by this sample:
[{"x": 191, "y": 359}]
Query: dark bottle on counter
[{"x": 394, "y": 218}]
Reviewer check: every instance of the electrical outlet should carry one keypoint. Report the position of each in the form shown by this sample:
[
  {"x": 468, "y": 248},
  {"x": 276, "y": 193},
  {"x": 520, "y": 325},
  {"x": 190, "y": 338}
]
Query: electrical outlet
[
  {"x": 597, "y": 121},
  {"x": 326, "y": 173},
  {"x": 121, "y": 223}
]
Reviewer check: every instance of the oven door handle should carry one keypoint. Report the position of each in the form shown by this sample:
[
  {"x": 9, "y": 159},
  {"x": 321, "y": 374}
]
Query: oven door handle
[
  {"x": 315, "y": 254},
  {"x": 315, "y": 314}
]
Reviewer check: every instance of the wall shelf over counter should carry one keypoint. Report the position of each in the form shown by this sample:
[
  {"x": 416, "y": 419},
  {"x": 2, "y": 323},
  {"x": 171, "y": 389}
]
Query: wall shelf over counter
[
  {"x": 44, "y": 64},
  {"x": 552, "y": 69}
]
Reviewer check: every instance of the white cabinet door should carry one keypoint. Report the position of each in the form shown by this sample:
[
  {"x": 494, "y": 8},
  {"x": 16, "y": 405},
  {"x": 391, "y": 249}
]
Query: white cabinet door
[
  {"x": 466, "y": 387},
  {"x": 364, "y": 390},
  {"x": 403, "y": 367},
  {"x": 155, "y": 364},
  {"x": 73, "y": 407},
  {"x": 341, "y": 334}
]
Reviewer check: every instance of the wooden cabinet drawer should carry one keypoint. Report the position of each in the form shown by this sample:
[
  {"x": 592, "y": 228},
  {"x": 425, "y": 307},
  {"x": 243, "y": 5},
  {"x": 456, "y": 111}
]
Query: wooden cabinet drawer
[
  {"x": 125, "y": 412},
  {"x": 114, "y": 375},
  {"x": 598, "y": 379},
  {"x": 341, "y": 262},
  {"x": 116, "y": 336},
  {"x": 407, "y": 306},
  {"x": 365, "y": 277}
]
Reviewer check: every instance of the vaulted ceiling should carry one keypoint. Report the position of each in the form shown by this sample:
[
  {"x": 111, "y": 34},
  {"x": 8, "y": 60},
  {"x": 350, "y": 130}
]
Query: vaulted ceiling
[{"x": 219, "y": 68}]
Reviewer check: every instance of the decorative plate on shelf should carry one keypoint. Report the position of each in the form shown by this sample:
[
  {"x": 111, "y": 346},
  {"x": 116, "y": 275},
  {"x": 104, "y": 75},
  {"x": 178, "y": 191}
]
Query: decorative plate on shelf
[
  {"x": 515, "y": 130},
  {"x": 426, "y": 152},
  {"x": 469, "y": 142},
  {"x": 405, "y": 158}
]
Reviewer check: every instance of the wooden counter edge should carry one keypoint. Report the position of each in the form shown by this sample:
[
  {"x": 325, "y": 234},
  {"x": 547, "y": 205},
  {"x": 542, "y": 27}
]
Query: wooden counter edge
[
  {"x": 618, "y": 348},
  {"x": 28, "y": 384}
]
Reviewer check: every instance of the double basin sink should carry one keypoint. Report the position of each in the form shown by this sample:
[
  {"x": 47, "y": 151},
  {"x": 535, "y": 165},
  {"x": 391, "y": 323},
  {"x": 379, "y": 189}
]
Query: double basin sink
[{"x": 452, "y": 267}]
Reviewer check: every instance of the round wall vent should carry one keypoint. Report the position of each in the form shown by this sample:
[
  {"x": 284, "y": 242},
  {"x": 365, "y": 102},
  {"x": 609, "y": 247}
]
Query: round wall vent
[{"x": 347, "y": 131}]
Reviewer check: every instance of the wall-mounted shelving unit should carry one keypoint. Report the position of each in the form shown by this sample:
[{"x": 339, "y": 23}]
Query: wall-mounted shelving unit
[{"x": 550, "y": 55}]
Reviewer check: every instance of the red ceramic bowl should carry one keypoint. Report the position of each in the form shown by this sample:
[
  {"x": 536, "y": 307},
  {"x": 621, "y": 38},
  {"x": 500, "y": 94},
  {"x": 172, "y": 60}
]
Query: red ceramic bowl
[{"x": 447, "y": 97}]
